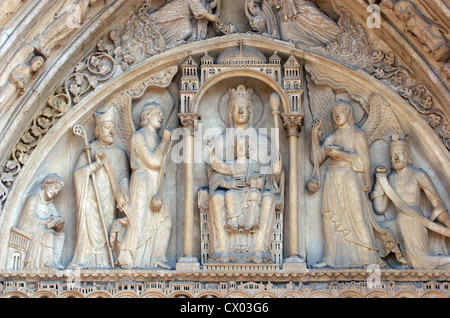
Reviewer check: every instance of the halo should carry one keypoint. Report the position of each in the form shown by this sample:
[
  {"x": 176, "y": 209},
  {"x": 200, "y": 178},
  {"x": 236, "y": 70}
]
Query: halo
[
  {"x": 258, "y": 109},
  {"x": 160, "y": 96}
]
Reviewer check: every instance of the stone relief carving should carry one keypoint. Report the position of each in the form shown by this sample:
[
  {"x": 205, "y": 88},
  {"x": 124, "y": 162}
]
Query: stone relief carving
[
  {"x": 262, "y": 18},
  {"x": 429, "y": 34},
  {"x": 174, "y": 23},
  {"x": 383, "y": 66},
  {"x": 301, "y": 21},
  {"x": 342, "y": 288},
  {"x": 55, "y": 108},
  {"x": 149, "y": 155},
  {"x": 415, "y": 223},
  {"x": 101, "y": 180},
  {"x": 348, "y": 225},
  {"x": 18, "y": 79},
  {"x": 297, "y": 21},
  {"x": 39, "y": 234},
  {"x": 65, "y": 22},
  {"x": 31, "y": 56},
  {"x": 244, "y": 194},
  {"x": 353, "y": 45}
]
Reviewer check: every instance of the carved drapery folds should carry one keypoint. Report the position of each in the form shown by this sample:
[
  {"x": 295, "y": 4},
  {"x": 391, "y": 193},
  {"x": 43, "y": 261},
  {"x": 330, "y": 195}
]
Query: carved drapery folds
[
  {"x": 431, "y": 35},
  {"x": 339, "y": 97}
]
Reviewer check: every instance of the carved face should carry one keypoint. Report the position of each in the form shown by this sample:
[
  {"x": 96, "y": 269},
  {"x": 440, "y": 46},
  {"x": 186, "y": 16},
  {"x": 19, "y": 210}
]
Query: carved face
[
  {"x": 241, "y": 148},
  {"x": 399, "y": 158},
  {"x": 340, "y": 115},
  {"x": 105, "y": 133},
  {"x": 51, "y": 190},
  {"x": 36, "y": 65},
  {"x": 156, "y": 119},
  {"x": 240, "y": 111}
]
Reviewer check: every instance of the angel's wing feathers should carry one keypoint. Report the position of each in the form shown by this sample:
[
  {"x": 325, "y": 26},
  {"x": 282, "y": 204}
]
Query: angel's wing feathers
[
  {"x": 123, "y": 104},
  {"x": 382, "y": 122},
  {"x": 321, "y": 101}
]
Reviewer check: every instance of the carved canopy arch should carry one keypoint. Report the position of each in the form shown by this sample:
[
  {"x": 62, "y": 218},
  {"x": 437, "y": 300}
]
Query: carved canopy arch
[
  {"x": 337, "y": 75},
  {"x": 243, "y": 74}
]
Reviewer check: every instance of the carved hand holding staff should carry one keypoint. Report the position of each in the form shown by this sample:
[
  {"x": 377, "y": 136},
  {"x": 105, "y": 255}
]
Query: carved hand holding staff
[
  {"x": 157, "y": 199},
  {"x": 81, "y": 132}
]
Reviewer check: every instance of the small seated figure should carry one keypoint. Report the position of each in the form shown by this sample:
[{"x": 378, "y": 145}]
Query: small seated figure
[{"x": 42, "y": 221}]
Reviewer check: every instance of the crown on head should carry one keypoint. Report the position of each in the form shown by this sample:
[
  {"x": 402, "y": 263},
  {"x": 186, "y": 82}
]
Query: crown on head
[
  {"x": 241, "y": 92},
  {"x": 399, "y": 140}
]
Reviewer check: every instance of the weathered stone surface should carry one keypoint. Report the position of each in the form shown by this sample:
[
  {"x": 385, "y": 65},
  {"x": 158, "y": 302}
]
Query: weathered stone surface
[{"x": 316, "y": 185}]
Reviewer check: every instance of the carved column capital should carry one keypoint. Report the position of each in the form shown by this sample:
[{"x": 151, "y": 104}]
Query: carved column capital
[
  {"x": 188, "y": 121},
  {"x": 293, "y": 122}
]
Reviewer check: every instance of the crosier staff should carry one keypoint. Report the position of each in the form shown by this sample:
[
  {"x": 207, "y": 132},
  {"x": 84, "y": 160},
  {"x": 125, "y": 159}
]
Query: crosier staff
[{"x": 81, "y": 132}]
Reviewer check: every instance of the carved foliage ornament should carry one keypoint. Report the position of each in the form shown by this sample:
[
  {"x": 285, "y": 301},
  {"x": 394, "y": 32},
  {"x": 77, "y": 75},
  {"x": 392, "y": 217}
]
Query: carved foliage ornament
[
  {"x": 383, "y": 66},
  {"x": 58, "y": 104}
]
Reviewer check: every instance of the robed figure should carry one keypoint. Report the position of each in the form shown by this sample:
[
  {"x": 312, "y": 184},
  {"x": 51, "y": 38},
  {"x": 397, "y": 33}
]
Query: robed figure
[
  {"x": 413, "y": 208},
  {"x": 42, "y": 221},
  {"x": 347, "y": 216},
  {"x": 149, "y": 155},
  {"x": 301, "y": 21},
  {"x": 95, "y": 197},
  {"x": 175, "y": 20},
  {"x": 243, "y": 202}
]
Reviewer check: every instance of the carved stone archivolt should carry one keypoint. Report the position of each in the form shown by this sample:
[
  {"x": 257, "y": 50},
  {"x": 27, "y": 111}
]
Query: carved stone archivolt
[{"x": 214, "y": 156}]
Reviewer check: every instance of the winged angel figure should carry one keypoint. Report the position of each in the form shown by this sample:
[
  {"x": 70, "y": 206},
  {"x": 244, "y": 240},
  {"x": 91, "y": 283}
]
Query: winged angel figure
[
  {"x": 353, "y": 238},
  {"x": 143, "y": 236}
]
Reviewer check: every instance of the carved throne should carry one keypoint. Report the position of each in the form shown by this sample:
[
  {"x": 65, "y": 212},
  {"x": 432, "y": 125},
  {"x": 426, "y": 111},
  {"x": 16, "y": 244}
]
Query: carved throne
[{"x": 276, "y": 238}]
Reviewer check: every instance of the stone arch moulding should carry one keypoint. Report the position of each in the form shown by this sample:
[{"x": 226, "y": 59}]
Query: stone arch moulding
[{"x": 424, "y": 136}]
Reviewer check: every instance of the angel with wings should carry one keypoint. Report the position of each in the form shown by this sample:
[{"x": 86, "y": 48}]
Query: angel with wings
[
  {"x": 144, "y": 234},
  {"x": 353, "y": 238}
]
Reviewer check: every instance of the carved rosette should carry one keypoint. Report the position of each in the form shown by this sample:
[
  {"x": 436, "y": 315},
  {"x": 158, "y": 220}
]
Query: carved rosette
[{"x": 293, "y": 122}]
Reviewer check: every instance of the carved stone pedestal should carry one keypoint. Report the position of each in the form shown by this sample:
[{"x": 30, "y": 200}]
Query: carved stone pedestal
[
  {"x": 188, "y": 265},
  {"x": 294, "y": 264}
]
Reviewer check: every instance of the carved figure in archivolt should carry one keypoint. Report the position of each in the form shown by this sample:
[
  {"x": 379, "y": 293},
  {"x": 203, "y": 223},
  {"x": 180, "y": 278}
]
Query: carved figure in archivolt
[
  {"x": 175, "y": 19},
  {"x": 101, "y": 181},
  {"x": 149, "y": 155},
  {"x": 174, "y": 23},
  {"x": 406, "y": 195},
  {"x": 201, "y": 29},
  {"x": 246, "y": 186},
  {"x": 66, "y": 21},
  {"x": 262, "y": 18},
  {"x": 299, "y": 21},
  {"x": 349, "y": 226},
  {"x": 431, "y": 35},
  {"x": 18, "y": 79},
  {"x": 42, "y": 222}
]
